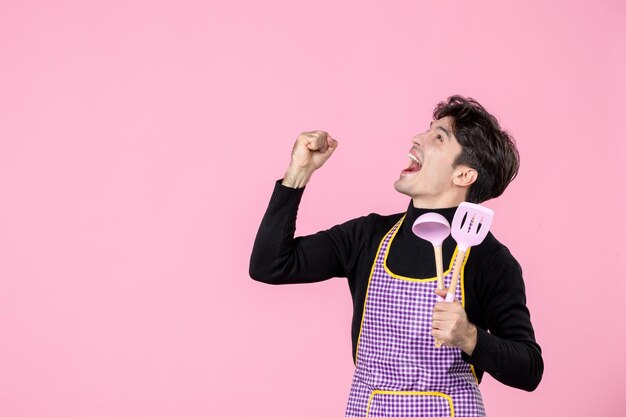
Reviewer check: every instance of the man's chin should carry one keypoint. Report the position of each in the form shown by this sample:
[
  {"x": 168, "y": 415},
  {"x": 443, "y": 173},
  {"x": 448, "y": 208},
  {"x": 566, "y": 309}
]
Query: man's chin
[{"x": 400, "y": 187}]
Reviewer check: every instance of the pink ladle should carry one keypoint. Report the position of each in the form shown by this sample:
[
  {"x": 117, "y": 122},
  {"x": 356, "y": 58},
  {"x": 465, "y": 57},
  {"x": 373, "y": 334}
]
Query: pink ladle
[{"x": 434, "y": 228}]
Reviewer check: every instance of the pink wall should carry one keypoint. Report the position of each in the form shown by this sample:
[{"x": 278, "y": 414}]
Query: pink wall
[{"x": 139, "y": 142}]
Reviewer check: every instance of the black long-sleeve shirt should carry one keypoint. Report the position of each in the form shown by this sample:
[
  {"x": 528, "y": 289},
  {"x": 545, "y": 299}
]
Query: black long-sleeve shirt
[{"x": 495, "y": 299}]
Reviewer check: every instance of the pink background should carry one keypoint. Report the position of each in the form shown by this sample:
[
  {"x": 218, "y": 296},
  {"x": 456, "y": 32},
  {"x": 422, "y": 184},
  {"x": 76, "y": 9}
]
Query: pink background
[{"x": 139, "y": 143}]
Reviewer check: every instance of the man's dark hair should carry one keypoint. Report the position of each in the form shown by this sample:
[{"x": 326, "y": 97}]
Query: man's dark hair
[{"x": 487, "y": 148}]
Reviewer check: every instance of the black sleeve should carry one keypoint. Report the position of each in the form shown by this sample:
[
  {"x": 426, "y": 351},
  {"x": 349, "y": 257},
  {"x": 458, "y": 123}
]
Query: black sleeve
[
  {"x": 508, "y": 350},
  {"x": 279, "y": 258}
]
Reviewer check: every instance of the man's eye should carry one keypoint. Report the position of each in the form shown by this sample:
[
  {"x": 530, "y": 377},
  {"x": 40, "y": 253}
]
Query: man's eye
[{"x": 440, "y": 138}]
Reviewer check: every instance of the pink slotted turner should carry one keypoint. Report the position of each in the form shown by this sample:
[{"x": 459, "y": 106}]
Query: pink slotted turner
[{"x": 470, "y": 226}]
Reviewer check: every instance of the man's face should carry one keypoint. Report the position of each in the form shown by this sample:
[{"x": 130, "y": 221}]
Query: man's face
[{"x": 429, "y": 177}]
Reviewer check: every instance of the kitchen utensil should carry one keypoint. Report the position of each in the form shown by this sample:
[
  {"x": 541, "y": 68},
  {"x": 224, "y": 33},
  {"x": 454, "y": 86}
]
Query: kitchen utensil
[
  {"x": 470, "y": 225},
  {"x": 434, "y": 228}
]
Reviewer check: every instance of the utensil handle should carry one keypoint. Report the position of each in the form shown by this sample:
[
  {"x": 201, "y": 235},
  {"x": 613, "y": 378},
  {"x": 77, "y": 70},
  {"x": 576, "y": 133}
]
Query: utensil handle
[
  {"x": 439, "y": 266},
  {"x": 458, "y": 263}
]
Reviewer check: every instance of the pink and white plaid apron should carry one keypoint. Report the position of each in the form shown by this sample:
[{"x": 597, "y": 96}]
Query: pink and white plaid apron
[{"x": 399, "y": 372}]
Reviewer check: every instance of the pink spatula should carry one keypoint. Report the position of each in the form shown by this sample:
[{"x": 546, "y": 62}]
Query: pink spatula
[
  {"x": 434, "y": 228},
  {"x": 470, "y": 225}
]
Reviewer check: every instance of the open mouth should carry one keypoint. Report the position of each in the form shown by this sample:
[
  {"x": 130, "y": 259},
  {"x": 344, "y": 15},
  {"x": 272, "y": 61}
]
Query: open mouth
[{"x": 415, "y": 165}]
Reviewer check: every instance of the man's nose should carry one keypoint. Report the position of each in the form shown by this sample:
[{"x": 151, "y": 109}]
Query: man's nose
[{"x": 417, "y": 140}]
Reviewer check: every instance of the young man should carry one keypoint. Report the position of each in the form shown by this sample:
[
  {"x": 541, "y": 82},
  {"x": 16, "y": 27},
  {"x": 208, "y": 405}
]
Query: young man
[{"x": 463, "y": 156}]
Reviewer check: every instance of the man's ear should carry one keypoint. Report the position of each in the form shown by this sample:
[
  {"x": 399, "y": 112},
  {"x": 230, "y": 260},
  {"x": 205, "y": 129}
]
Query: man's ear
[{"x": 464, "y": 176}]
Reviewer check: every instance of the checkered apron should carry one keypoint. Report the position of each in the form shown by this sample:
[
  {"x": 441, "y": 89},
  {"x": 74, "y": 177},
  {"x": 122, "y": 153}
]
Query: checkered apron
[{"x": 399, "y": 372}]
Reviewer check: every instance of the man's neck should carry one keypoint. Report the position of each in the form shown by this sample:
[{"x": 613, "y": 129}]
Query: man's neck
[{"x": 437, "y": 202}]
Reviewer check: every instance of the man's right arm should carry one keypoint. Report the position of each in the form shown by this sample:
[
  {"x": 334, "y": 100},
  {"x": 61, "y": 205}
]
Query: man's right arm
[{"x": 278, "y": 257}]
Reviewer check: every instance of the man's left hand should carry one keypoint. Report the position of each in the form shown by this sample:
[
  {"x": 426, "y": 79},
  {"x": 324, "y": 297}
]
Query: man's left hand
[{"x": 451, "y": 326}]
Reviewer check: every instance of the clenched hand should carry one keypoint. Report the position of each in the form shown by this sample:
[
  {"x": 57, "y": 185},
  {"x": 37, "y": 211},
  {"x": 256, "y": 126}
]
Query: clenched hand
[
  {"x": 451, "y": 326},
  {"x": 310, "y": 152}
]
